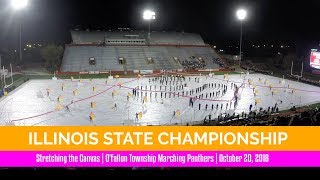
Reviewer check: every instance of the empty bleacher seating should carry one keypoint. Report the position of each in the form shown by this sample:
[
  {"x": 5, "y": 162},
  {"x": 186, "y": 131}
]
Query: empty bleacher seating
[{"x": 163, "y": 48}]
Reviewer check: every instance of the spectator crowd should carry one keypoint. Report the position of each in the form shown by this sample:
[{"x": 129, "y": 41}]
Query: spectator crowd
[
  {"x": 222, "y": 63},
  {"x": 192, "y": 65},
  {"x": 260, "y": 68},
  {"x": 302, "y": 117}
]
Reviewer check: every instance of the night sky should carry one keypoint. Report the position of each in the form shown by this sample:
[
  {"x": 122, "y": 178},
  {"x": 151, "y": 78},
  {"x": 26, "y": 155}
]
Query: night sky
[{"x": 268, "y": 20}]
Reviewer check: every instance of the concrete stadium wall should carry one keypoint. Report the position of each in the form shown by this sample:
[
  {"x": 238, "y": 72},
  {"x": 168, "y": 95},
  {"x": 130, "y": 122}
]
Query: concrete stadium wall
[{"x": 138, "y": 72}]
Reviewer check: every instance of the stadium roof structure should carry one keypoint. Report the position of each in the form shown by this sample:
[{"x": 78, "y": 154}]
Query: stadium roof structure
[{"x": 163, "y": 38}]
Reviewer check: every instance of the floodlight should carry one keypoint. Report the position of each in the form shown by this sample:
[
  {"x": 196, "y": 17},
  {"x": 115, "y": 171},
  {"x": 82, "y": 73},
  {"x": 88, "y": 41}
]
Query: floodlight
[
  {"x": 19, "y": 4},
  {"x": 241, "y": 14},
  {"x": 149, "y": 15}
]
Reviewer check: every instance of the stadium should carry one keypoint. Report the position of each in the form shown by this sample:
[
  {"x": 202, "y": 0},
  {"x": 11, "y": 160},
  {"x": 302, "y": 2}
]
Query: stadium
[
  {"x": 157, "y": 85},
  {"x": 133, "y": 78}
]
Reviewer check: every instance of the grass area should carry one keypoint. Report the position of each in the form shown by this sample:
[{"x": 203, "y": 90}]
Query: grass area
[
  {"x": 311, "y": 76},
  {"x": 299, "y": 109},
  {"x": 317, "y": 105},
  {"x": 18, "y": 80},
  {"x": 279, "y": 73}
]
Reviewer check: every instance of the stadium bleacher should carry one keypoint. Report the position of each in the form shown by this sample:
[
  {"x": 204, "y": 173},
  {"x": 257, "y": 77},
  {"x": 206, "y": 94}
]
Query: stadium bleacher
[
  {"x": 77, "y": 59},
  {"x": 164, "y": 50}
]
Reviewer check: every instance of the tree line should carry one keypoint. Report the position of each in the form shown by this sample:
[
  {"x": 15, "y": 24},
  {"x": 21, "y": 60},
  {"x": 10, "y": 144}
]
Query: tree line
[{"x": 49, "y": 56}]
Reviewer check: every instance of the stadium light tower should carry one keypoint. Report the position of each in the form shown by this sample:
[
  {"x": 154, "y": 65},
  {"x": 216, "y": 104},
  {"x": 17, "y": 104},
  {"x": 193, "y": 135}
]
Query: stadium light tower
[
  {"x": 149, "y": 15},
  {"x": 241, "y": 15},
  {"x": 19, "y": 5}
]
